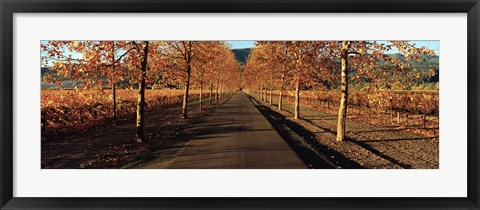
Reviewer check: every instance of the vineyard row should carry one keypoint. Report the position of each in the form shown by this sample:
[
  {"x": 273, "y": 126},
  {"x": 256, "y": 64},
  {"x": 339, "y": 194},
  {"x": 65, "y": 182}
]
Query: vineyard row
[
  {"x": 426, "y": 103},
  {"x": 64, "y": 110}
]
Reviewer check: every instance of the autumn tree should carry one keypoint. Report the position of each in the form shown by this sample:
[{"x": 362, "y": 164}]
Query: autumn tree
[
  {"x": 326, "y": 65},
  {"x": 232, "y": 71},
  {"x": 98, "y": 65},
  {"x": 144, "y": 58},
  {"x": 251, "y": 80},
  {"x": 283, "y": 59},
  {"x": 226, "y": 72},
  {"x": 370, "y": 59},
  {"x": 206, "y": 63},
  {"x": 143, "y": 50},
  {"x": 185, "y": 52},
  {"x": 96, "y": 68},
  {"x": 302, "y": 56}
]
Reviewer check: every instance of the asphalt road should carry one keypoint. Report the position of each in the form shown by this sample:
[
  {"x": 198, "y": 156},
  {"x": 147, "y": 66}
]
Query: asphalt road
[{"x": 236, "y": 136}]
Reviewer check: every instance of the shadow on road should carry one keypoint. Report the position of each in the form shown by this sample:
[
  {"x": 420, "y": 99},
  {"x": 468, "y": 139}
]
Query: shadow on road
[{"x": 303, "y": 141}]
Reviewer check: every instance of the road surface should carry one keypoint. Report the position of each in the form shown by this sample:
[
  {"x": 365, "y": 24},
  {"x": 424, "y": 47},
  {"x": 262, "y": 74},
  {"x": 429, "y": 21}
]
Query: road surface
[{"x": 236, "y": 136}]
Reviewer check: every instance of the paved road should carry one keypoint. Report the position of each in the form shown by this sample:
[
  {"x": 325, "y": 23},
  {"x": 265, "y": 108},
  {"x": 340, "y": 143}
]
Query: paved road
[{"x": 236, "y": 136}]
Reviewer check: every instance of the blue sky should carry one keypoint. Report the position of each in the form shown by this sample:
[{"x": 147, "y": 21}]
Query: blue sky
[
  {"x": 432, "y": 45},
  {"x": 241, "y": 44}
]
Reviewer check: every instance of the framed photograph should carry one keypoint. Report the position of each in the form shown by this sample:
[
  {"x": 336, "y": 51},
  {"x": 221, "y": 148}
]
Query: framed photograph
[{"x": 239, "y": 105}]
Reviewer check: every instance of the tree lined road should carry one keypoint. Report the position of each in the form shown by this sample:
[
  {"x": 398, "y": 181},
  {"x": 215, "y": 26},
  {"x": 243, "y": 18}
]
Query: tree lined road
[
  {"x": 236, "y": 136},
  {"x": 91, "y": 120}
]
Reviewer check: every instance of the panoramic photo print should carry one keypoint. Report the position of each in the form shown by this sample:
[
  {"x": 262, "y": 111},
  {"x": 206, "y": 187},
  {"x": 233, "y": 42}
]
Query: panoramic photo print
[{"x": 251, "y": 104}]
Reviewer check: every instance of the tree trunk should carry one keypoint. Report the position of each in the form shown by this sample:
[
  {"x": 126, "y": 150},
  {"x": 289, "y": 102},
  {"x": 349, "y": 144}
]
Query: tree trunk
[
  {"x": 201, "y": 96},
  {"x": 114, "y": 92},
  {"x": 261, "y": 92},
  {"x": 280, "y": 97},
  {"x": 139, "y": 136},
  {"x": 216, "y": 92},
  {"x": 270, "y": 88},
  {"x": 265, "y": 93},
  {"x": 297, "y": 100},
  {"x": 187, "y": 87},
  {"x": 342, "y": 111},
  {"x": 424, "y": 121},
  {"x": 270, "y": 97},
  {"x": 398, "y": 117},
  {"x": 221, "y": 91},
  {"x": 392, "y": 117},
  {"x": 211, "y": 90}
]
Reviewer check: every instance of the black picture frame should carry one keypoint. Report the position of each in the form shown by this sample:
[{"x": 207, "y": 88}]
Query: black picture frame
[{"x": 9, "y": 7}]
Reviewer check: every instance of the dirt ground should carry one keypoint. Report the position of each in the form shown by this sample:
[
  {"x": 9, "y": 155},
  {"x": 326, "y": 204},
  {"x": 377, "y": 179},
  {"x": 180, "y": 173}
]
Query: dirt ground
[
  {"x": 312, "y": 137},
  {"x": 114, "y": 147},
  {"x": 367, "y": 145}
]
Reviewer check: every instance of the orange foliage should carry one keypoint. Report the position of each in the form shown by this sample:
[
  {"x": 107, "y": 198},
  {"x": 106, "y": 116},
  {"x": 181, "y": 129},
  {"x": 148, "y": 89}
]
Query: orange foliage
[{"x": 64, "y": 110}]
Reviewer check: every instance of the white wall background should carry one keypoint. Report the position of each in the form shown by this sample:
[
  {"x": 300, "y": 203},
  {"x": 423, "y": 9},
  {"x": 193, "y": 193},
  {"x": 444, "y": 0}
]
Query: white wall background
[{"x": 448, "y": 181}]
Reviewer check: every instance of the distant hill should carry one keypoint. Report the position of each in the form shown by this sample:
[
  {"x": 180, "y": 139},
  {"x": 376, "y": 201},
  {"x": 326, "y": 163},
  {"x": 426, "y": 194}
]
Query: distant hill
[
  {"x": 241, "y": 54},
  {"x": 429, "y": 62},
  {"x": 423, "y": 68}
]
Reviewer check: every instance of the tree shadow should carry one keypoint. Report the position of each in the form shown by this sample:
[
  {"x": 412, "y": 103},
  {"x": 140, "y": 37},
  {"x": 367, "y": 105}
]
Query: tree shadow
[
  {"x": 312, "y": 152},
  {"x": 370, "y": 144},
  {"x": 364, "y": 144}
]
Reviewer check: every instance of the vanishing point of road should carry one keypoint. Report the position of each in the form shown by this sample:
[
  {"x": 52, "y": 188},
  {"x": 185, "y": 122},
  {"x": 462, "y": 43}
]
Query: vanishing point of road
[{"x": 236, "y": 136}]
